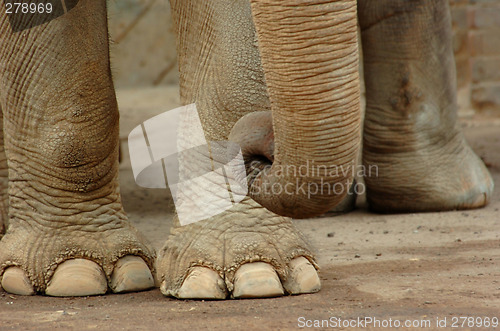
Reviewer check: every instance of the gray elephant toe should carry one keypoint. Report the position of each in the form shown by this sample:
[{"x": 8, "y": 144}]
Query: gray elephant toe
[
  {"x": 201, "y": 283},
  {"x": 15, "y": 281},
  {"x": 131, "y": 274},
  {"x": 77, "y": 277},
  {"x": 257, "y": 280},
  {"x": 303, "y": 277}
]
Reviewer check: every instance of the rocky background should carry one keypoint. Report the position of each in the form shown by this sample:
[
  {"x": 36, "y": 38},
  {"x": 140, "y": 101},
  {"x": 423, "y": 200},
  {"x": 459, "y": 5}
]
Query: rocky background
[
  {"x": 143, "y": 49},
  {"x": 476, "y": 26}
]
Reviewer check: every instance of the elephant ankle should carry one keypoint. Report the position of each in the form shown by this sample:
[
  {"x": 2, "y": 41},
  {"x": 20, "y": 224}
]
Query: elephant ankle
[{"x": 444, "y": 177}]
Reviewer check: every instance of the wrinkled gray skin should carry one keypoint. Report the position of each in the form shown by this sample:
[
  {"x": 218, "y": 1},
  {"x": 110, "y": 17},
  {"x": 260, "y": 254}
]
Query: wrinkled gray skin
[{"x": 239, "y": 61}]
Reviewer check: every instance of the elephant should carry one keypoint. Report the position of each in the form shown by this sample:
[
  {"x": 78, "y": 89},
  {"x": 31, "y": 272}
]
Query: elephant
[{"x": 278, "y": 78}]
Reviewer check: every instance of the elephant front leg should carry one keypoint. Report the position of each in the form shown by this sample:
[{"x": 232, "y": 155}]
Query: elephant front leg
[
  {"x": 68, "y": 234},
  {"x": 247, "y": 250},
  {"x": 413, "y": 144}
]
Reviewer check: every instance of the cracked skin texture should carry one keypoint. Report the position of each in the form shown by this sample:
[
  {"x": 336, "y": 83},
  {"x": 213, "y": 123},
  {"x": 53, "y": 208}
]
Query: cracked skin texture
[
  {"x": 235, "y": 58},
  {"x": 224, "y": 243},
  {"x": 60, "y": 137},
  {"x": 410, "y": 133}
]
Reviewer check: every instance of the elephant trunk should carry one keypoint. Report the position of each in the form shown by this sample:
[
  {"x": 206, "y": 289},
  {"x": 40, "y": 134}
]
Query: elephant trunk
[{"x": 309, "y": 54}]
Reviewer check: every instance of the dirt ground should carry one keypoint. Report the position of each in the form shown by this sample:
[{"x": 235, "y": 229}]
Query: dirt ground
[{"x": 406, "y": 268}]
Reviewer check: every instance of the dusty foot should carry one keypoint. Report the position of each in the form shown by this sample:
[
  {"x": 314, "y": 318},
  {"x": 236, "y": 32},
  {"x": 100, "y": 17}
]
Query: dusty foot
[
  {"x": 411, "y": 131},
  {"x": 247, "y": 252},
  {"x": 435, "y": 179},
  {"x": 78, "y": 265}
]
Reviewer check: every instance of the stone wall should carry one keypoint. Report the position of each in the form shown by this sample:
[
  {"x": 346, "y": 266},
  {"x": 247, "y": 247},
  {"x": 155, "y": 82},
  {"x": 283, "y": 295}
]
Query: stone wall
[
  {"x": 476, "y": 26},
  {"x": 143, "y": 49},
  {"x": 142, "y": 43}
]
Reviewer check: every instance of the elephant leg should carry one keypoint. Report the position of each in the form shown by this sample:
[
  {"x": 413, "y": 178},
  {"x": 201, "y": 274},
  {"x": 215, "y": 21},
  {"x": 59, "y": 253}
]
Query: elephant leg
[
  {"x": 413, "y": 144},
  {"x": 4, "y": 182},
  {"x": 247, "y": 250},
  {"x": 68, "y": 234}
]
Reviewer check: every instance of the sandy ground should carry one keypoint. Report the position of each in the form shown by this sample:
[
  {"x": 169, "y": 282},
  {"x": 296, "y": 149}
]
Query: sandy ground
[{"x": 411, "y": 268}]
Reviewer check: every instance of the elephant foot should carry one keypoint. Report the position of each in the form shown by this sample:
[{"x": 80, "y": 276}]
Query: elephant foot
[
  {"x": 80, "y": 268},
  {"x": 415, "y": 156},
  {"x": 245, "y": 252},
  {"x": 442, "y": 178}
]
